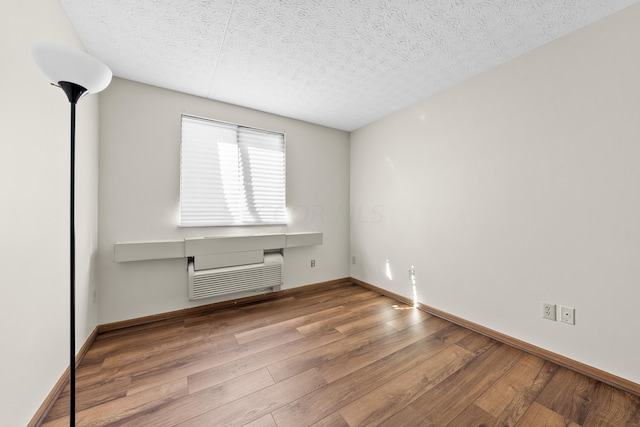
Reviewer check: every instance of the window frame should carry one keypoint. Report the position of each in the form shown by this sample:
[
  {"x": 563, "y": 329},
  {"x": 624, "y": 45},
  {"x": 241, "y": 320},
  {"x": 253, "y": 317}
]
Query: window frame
[{"x": 281, "y": 219}]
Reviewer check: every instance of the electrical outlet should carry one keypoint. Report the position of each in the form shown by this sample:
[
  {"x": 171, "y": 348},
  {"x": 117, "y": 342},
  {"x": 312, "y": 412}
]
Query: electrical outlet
[
  {"x": 353, "y": 260},
  {"x": 313, "y": 263},
  {"x": 548, "y": 311},
  {"x": 568, "y": 315}
]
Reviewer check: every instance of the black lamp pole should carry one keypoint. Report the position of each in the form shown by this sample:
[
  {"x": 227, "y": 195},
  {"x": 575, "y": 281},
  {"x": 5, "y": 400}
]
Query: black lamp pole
[
  {"x": 62, "y": 65},
  {"x": 74, "y": 92}
]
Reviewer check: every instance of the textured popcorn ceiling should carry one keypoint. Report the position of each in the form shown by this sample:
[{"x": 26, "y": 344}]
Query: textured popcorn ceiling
[{"x": 339, "y": 63}]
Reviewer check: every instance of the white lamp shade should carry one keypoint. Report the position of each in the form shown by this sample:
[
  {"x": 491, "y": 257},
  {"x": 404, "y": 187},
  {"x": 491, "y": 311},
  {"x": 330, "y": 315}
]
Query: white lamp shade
[{"x": 61, "y": 63}]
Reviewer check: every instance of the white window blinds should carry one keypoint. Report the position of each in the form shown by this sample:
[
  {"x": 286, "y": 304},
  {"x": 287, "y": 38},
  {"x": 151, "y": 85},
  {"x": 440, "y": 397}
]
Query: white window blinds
[{"x": 230, "y": 175}]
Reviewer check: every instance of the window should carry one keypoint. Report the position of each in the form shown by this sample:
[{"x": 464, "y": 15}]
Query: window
[{"x": 230, "y": 175}]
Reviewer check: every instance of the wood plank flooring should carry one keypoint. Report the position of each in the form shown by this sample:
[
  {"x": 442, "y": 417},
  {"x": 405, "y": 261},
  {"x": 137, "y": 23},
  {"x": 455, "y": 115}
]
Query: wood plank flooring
[{"x": 337, "y": 356}]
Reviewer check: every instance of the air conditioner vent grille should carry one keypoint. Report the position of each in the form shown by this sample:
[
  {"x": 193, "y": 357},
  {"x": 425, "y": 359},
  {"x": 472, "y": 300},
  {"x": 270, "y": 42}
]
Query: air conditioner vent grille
[{"x": 229, "y": 280}]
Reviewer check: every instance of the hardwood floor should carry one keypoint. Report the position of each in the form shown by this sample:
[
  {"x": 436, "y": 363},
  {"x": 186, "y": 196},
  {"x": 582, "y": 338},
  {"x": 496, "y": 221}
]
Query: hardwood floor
[{"x": 340, "y": 356}]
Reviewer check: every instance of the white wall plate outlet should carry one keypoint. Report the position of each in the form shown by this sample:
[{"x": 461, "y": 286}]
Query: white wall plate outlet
[
  {"x": 548, "y": 311},
  {"x": 567, "y": 315}
]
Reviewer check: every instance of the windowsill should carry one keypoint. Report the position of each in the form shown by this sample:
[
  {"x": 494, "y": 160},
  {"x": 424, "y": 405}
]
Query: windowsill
[{"x": 208, "y": 245}]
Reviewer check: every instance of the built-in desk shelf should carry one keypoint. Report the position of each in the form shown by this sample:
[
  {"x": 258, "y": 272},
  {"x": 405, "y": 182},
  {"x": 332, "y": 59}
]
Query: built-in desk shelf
[{"x": 168, "y": 249}]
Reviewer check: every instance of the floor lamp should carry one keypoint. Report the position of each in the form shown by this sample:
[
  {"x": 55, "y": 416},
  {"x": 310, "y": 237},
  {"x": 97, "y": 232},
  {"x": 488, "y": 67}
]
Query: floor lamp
[{"x": 77, "y": 74}]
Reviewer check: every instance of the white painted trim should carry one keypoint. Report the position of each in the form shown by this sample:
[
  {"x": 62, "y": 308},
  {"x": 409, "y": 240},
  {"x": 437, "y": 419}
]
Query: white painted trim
[{"x": 168, "y": 249}]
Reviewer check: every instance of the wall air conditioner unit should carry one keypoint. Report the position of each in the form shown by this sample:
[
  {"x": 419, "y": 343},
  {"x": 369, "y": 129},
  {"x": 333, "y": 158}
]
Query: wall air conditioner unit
[{"x": 225, "y": 274}]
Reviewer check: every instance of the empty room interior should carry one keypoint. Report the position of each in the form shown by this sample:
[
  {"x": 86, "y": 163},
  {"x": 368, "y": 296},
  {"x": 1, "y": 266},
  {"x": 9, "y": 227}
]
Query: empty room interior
[{"x": 460, "y": 185}]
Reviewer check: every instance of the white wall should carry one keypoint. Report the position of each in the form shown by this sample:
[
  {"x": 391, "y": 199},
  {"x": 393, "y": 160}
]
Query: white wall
[
  {"x": 34, "y": 217},
  {"x": 516, "y": 187},
  {"x": 139, "y": 194}
]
